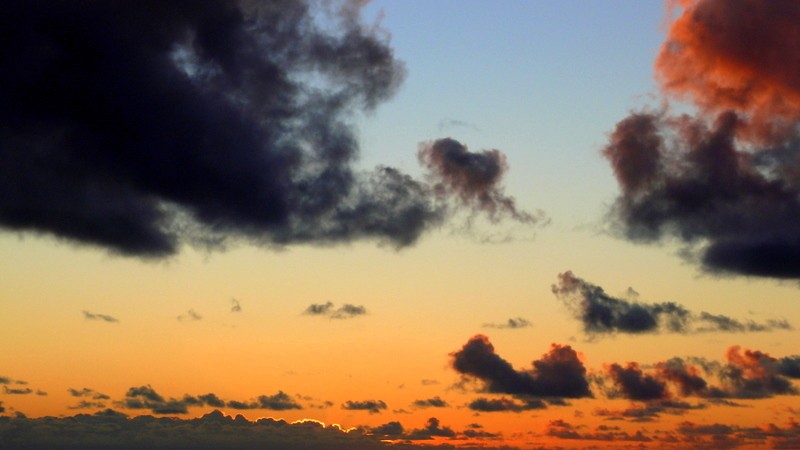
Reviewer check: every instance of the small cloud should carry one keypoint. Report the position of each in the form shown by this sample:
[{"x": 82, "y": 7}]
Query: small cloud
[
  {"x": 346, "y": 311},
  {"x": 102, "y": 317},
  {"x": 511, "y": 324},
  {"x": 373, "y": 406},
  {"x": 12, "y": 391},
  {"x": 235, "y": 306},
  {"x": 434, "y": 402},
  {"x": 190, "y": 316}
]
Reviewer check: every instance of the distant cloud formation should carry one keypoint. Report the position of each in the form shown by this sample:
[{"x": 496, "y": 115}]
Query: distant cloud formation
[
  {"x": 15, "y": 391},
  {"x": 235, "y": 306},
  {"x": 722, "y": 180},
  {"x": 373, "y": 406},
  {"x": 601, "y": 313},
  {"x": 745, "y": 374},
  {"x": 145, "y": 397},
  {"x": 475, "y": 178},
  {"x": 434, "y": 402},
  {"x": 190, "y": 316},
  {"x": 503, "y": 404},
  {"x": 328, "y": 309},
  {"x": 558, "y": 374},
  {"x": 102, "y": 317},
  {"x": 112, "y": 429},
  {"x": 512, "y": 324}
]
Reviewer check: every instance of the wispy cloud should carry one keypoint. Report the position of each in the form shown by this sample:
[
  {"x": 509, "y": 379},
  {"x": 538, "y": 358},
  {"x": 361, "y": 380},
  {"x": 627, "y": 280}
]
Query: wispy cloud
[
  {"x": 102, "y": 317},
  {"x": 346, "y": 311}
]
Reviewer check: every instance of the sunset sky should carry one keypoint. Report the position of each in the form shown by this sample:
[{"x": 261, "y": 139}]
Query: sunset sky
[{"x": 519, "y": 224}]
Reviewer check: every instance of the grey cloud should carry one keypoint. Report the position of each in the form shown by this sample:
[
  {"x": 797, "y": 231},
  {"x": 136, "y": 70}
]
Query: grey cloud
[
  {"x": 103, "y": 317},
  {"x": 512, "y": 324}
]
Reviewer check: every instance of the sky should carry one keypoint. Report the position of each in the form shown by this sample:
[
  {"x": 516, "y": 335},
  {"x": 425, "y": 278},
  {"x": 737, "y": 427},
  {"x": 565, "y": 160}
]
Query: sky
[{"x": 400, "y": 224}]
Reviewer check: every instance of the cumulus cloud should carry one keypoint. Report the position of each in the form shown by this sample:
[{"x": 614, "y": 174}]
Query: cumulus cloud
[
  {"x": 558, "y": 374},
  {"x": 513, "y": 324},
  {"x": 745, "y": 374},
  {"x": 600, "y": 313},
  {"x": 503, "y": 404},
  {"x": 723, "y": 179},
  {"x": 103, "y": 317},
  {"x": 373, "y": 406},
  {"x": 328, "y": 309}
]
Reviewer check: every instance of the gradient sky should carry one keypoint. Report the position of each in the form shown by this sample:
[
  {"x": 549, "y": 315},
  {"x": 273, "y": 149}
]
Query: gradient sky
[{"x": 362, "y": 334}]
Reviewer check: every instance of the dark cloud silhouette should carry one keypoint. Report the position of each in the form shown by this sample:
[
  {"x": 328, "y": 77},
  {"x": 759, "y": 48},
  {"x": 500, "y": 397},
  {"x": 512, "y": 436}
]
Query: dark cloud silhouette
[
  {"x": 373, "y": 406},
  {"x": 601, "y": 313},
  {"x": 112, "y": 429},
  {"x": 745, "y": 374},
  {"x": 103, "y": 317},
  {"x": 632, "y": 384},
  {"x": 346, "y": 311},
  {"x": 390, "y": 429},
  {"x": 138, "y": 127},
  {"x": 5, "y": 380},
  {"x": 87, "y": 393},
  {"x": 2, "y": 408},
  {"x": 190, "y": 316},
  {"x": 434, "y": 402},
  {"x": 87, "y": 404},
  {"x": 431, "y": 429},
  {"x": 475, "y": 178},
  {"x": 512, "y": 324},
  {"x": 235, "y": 305},
  {"x": 564, "y": 430},
  {"x": 723, "y": 180},
  {"x": 647, "y": 412},
  {"x": 789, "y": 366},
  {"x": 504, "y": 404},
  {"x": 13, "y": 391},
  {"x": 278, "y": 402},
  {"x": 558, "y": 374}
]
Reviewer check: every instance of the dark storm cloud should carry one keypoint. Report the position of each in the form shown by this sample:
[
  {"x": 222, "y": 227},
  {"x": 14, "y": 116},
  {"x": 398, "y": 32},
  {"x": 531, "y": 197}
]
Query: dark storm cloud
[
  {"x": 346, "y": 311},
  {"x": 558, "y": 374},
  {"x": 105, "y": 318},
  {"x": 475, "y": 178},
  {"x": 373, "y": 406},
  {"x": 512, "y": 324},
  {"x": 504, "y": 404},
  {"x": 723, "y": 180},
  {"x": 601, "y": 313},
  {"x": 434, "y": 402},
  {"x": 140, "y": 126}
]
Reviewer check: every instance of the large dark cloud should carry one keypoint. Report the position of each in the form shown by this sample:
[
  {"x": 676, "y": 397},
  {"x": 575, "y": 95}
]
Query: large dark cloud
[
  {"x": 601, "y": 313},
  {"x": 558, "y": 374},
  {"x": 633, "y": 384},
  {"x": 724, "y": 179},
  {"x": 139, "y": 126}
]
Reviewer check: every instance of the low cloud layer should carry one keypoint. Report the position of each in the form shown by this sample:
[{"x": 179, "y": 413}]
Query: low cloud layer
[{"x": 600, "y": 313}]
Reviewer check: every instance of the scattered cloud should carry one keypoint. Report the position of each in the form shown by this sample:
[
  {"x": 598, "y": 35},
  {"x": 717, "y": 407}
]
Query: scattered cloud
[
  {"x": 474, "y": 178},
  {"x": 373, "y": 406},
  {"x": 13, "y": 391},
  {"x": 190, "y": 316},
  {"x": 346, "y": 311},
  {"x": 512, "y": 324},
  {"x": 102, "y": 317},
  {"x": 235, "y": 306},
  {"x": 434, "y": 402},
  {"x": 601, "y": 313},
  {"x": 558, "y": 374},
  {"x": 504, "y": 404}
]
